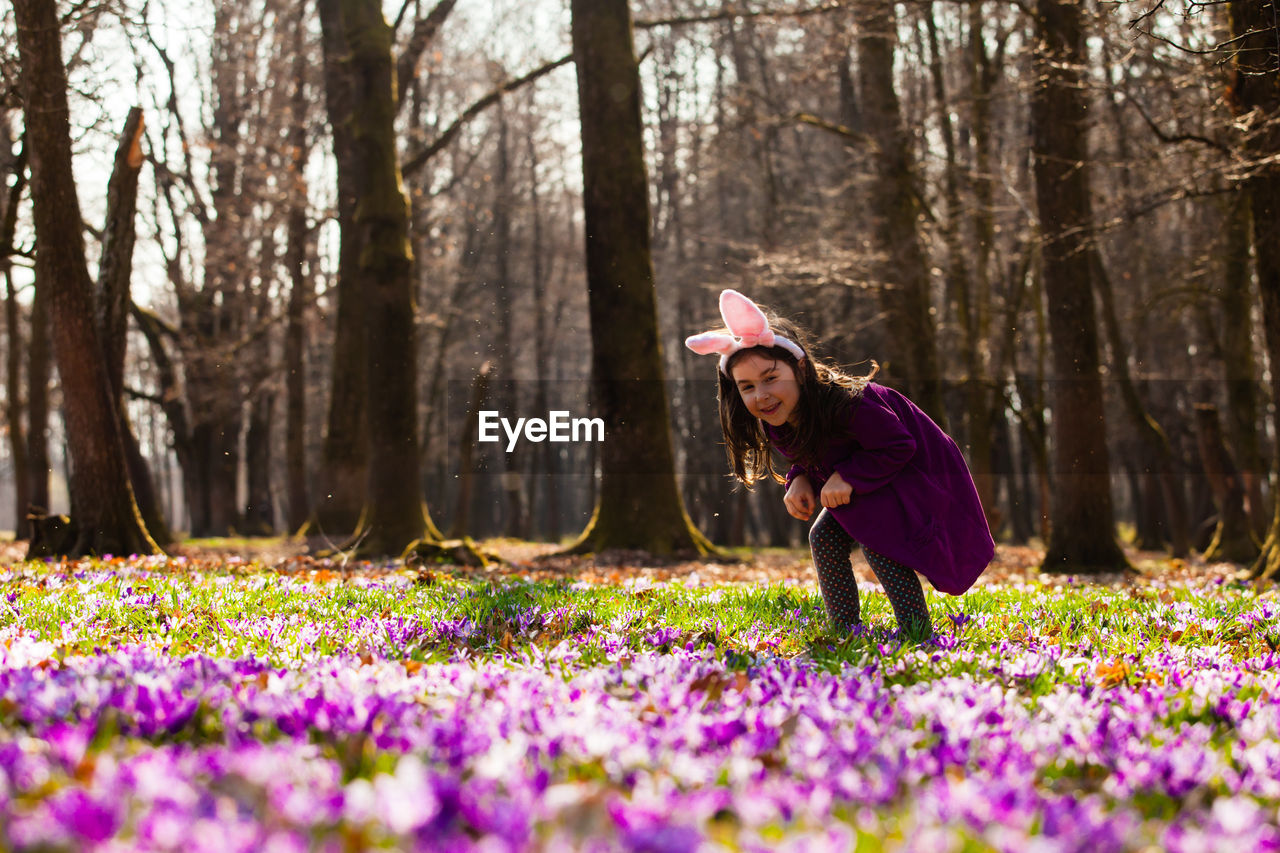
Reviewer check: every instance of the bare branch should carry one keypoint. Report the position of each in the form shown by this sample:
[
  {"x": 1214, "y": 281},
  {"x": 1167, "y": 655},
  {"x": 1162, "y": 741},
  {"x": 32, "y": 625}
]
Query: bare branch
[
  {"x": 404, "y": 10},
  {"x": 849, "y": 136},
  {"x": 138, "y": 394},
  {"x": 1147, "y": 15},
  {"x": 424, "y": 31},
  {"x": 418, "y": 160},
  {"x": 1173, "y": 139},
  {"x": 729, "y": 13},
  {"x": 188, "y": 179},
  {"x": 150, "y": 320}
]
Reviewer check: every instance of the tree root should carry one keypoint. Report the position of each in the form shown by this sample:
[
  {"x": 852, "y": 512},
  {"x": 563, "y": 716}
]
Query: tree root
[{"x": 463, "y": 552}]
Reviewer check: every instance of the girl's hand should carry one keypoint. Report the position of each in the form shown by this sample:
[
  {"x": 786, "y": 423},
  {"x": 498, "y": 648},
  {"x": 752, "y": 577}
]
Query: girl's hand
[
  {"x": 836, "y": 492},
  {"x": 799, "y": 498}
]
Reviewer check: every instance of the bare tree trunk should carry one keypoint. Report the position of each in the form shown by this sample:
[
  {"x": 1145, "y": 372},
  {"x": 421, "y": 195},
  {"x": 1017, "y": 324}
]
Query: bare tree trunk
[
  {"x": 1256, "y": 96},
  {"x": 895, "y": 209},
  {"x": 1082, "y": 537},
  {"x": 259, "y": 512},
  {"x": 1035, "y": 437},
  {"x": 38, "y": 368},
  {"x": 175, "y": 411},
  {"x": 298, "y": 495},
  {"x": 766, "y": 230},
  {"x": 119, "y": 235},
  {"x": 1241, "y": 374},
  {"x": 13, "y": 373},
  {"x": 112, "y": 301},
  {"x": 424, "y": 32},
  {"x": 963, "y": 288},
  {"x": 395, "y": 515},
  {"x": 1158, "y": 455},
  {"x": 639, "y": 505},
  {"x": 515, "y": 516},
  {"x": 548, "y": 456},
  {"x": 342, "y": 477},
  {"x": 258, "y": 517},
  {"x": 215, "y": 316},
  {"x": 298, "y": 499},
  {"x": 102, "y": 498},
  {"x": 466, "y": 454},
  {"x": 983, "y": 71}
]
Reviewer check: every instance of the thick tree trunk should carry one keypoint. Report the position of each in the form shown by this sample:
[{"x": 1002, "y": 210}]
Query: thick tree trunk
[
  {"x": 639, "y": 506},
  {"x": 1256, "y": 94},
  {"x": 298, "y": 496},
  {"x": 298, "y": 501},
  {"x": 214, "y": 396},
  {"x": 895, "y": 210},
  {"x": 115, "y": 270},
  {"x": 342, "y": 477},
  {"x": 210, "y": 483},
  {"x": 259, "y": 516},
  {"x": 1082, "y": 535},
  {"x": 112, "y": 302},
  {"x": 100, "y": 492},
  {"x": 395, "y": 515}
]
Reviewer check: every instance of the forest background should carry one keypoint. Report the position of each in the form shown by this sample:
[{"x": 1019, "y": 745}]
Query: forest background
[{"x": 332, "y": 232}]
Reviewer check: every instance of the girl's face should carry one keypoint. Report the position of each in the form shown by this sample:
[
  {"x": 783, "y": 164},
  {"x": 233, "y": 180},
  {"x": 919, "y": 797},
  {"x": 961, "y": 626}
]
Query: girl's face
[{"x": 768, "y": 387}]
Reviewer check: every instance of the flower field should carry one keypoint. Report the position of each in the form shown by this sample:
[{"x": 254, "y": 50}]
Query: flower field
[{"x": 171, "y": 703}]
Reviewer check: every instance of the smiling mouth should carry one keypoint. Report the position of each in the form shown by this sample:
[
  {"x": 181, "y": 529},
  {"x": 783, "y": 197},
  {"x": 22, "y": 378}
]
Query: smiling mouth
[{"x": 770, "y": 410}]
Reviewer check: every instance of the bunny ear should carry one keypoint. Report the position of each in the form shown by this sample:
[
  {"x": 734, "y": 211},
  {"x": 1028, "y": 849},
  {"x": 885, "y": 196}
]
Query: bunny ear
[
  {"x": 741, "y": 315},
  {"x": 709, "y": 343}
]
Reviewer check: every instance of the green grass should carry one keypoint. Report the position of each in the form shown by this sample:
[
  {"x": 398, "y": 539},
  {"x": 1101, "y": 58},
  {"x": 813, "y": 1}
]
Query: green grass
[{"x": 249, "y": 609}]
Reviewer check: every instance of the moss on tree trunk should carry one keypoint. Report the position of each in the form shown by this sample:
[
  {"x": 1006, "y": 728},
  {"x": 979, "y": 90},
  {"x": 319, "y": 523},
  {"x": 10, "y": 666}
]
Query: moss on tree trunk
[
  {"x": 102, "y": 499},
  {"x": 1255, "y": 95},
  {"x": 395, "y": 514},
  {"x": 340, "y": 482},
  {"x": 639, "y": 506}
]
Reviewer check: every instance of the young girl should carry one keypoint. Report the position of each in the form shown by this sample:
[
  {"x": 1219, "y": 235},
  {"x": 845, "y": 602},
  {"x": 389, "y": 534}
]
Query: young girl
[{"x": 877, "y": 469}]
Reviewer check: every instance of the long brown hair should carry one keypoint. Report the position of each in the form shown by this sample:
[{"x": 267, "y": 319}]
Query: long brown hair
[{"x": 826, "y": 395}]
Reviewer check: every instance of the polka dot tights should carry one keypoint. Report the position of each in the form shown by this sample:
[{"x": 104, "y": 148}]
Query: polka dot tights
[{"x": 831, "y": 545}]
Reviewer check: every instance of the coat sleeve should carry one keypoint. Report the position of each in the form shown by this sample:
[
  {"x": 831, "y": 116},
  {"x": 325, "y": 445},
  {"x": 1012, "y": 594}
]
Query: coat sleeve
[
  {"x": 795, "y": 471},
  {"x": 884, "y": 446}
]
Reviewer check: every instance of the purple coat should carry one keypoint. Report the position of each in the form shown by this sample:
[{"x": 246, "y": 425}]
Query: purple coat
[{"x": 913, "y": 496}]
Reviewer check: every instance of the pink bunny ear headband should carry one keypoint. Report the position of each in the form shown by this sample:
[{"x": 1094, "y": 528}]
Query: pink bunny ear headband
[{"x": 748, "y": 328}]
